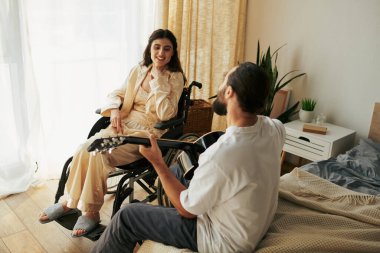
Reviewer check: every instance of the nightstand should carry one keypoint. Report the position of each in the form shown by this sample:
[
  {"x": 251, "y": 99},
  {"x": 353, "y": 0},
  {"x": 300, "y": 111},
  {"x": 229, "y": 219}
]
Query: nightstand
[{"x": 316, "y": 147}]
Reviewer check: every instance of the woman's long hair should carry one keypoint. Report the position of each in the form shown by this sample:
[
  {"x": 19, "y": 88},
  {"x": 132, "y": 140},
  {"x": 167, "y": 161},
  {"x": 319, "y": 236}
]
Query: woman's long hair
[{"x": 174, "y": 65}]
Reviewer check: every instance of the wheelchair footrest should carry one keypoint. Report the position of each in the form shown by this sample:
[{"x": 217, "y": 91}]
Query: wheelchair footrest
[
  {"x": 96, "y": 233},
  {"x": 68, "y": 222}
]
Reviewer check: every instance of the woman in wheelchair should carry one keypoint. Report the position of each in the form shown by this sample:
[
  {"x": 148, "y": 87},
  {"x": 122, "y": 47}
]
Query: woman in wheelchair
[{"x": 150, "y": 94}]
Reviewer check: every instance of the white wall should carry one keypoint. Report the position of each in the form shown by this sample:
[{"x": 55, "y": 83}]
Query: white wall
[{"x": 336, "y": 42}]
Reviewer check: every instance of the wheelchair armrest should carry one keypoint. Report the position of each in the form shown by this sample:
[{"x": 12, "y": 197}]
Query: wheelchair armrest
[
  {"x": 168, "y": 123},
  {"x": 162, "y": 125},
  {"x": 99, "y": 110}
]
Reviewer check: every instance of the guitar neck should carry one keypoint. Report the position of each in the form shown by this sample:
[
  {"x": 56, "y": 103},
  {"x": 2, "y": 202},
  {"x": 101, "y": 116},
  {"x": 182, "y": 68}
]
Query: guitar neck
[
  {"x": 163, "y": 143},
  {"x": 113, "y": 142},
  {"x": 188, "y": 159}
]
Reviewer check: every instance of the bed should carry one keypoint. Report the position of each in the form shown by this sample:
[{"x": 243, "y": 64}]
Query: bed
[{"x": 325, "y": 206}]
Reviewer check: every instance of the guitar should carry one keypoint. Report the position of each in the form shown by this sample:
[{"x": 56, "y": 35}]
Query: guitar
[{"x": 188, "y": 159}]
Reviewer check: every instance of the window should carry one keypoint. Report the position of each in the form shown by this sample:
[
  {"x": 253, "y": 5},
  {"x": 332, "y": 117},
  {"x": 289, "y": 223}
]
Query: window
[{"x": 58, "y": 61}]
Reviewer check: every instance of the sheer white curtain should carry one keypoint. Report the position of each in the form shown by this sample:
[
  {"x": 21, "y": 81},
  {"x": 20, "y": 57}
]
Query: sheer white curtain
[{"x": 58, "y": 61}]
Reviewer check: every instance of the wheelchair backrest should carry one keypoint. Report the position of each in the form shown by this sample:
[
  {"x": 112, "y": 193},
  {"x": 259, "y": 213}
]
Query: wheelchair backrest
[
  {"x": 185, "y": 101},
  {"x": 175, "y": 125}
]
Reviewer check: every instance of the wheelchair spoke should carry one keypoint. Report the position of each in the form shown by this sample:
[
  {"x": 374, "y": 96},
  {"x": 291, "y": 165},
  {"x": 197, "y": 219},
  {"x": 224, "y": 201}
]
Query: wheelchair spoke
[
  {"x": 170, "y": 159},
  {"x": 113, "y": 180}
]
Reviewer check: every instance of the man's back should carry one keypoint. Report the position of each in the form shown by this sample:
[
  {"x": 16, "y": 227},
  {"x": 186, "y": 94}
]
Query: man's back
[{"x": 234, "y": 191}]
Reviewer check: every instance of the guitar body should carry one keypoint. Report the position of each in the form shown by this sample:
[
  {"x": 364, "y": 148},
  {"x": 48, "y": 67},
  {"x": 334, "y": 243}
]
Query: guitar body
[
  {"x": 188, "y": 163},
  {"x": 208, "y": 139}
]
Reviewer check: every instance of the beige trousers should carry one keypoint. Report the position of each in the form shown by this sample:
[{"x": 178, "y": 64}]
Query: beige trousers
[{"x": 87, "y": 182}]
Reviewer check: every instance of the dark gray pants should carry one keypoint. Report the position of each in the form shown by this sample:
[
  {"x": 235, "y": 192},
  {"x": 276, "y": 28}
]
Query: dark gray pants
[{"x": 137, "y": 222}]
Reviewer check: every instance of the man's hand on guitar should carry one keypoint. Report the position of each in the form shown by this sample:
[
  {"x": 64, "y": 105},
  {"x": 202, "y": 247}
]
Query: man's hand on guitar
[
  {"x": 116, "y": 120},
  {"x": 153, "y": 152}
]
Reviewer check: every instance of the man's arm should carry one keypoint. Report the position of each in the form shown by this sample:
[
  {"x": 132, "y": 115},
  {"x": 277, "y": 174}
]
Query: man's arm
[{"x": 171, "y": 184}]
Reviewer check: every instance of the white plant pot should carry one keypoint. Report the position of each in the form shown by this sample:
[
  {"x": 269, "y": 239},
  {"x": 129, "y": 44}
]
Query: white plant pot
[{"x": 306, "y": 116}]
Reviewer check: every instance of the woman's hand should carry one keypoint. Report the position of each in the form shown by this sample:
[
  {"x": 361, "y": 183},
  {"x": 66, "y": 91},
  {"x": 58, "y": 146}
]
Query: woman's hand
[
  {"x": 153, "y": 153},
  {"x": 116, "y": 120},
  {"x": 156, "y": 72}
]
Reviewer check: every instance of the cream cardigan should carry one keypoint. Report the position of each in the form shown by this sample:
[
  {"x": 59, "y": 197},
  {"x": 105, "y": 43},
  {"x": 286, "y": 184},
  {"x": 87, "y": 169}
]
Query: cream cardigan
[{"x": 162, "y": 100}]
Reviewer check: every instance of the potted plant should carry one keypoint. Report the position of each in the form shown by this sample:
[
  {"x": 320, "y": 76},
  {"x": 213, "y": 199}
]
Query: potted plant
[
  {"x": 266, "y": 62},
  {"x": 306, "y": 113}
]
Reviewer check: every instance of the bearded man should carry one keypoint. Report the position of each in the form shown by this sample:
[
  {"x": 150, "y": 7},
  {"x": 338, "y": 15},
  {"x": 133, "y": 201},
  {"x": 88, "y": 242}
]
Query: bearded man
[{"x": 230, "y": 202}]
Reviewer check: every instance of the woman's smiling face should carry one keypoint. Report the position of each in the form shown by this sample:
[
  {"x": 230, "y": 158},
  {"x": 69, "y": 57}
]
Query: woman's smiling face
[{"x": 161, "y": 52}]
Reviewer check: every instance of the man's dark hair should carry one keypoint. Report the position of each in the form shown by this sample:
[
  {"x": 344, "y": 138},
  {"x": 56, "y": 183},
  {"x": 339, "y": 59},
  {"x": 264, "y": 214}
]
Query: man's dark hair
[
  {"x": 174, "y": 65},
  {"x": 251, "y": 84}
]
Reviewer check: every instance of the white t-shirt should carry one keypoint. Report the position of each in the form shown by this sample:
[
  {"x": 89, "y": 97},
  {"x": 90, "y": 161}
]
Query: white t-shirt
[{"x": 234, "y": 190}]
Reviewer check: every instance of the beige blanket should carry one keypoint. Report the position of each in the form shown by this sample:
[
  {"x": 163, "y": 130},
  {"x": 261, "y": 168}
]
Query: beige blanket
[{"x": 315, "y": 215}]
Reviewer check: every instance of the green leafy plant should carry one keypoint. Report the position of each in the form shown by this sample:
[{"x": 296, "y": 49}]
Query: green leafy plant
[
  {"x": 268, "y": 62},
  {"x": 308, "y": 104}
]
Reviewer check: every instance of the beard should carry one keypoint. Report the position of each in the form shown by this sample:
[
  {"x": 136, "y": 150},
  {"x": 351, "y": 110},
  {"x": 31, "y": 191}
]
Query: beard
[{"x": 219, "y": 107}]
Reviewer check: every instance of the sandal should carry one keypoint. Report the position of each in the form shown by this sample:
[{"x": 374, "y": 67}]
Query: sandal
[
  {"x": 54, "y": 212},
  {"x": 86, "y": 224}
]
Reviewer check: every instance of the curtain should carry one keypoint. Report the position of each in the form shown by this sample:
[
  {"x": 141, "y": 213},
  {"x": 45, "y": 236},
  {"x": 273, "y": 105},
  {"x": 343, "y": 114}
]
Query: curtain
[
  {"x": 16, "y": 103},
  {"x": 211, "y": 35},
  {"x": 58, "y": 61}
]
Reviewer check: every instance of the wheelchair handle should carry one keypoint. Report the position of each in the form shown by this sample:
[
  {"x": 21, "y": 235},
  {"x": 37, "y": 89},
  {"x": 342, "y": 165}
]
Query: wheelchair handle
[{"x": 195, "y": 83}]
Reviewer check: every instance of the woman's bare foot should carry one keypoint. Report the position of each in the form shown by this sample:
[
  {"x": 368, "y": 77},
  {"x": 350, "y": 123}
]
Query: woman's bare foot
[{"x": 95, "y": 216}]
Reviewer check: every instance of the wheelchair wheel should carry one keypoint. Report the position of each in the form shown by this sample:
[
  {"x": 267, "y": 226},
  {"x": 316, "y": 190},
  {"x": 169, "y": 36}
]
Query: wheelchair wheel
[
  {"x": 171, "y": 156},
  {"x": 62, "y": 181},
  {"x": 112, "y": 180},
  {"x": 170, "y": 159},
  {"x": 123, "y": 190}
]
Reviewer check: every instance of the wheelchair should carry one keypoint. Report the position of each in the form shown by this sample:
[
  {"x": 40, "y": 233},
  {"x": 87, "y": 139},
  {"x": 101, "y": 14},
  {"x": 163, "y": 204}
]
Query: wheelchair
[
  {"x": 122, "y": 181},
  {"x": 187, "y": 159}
]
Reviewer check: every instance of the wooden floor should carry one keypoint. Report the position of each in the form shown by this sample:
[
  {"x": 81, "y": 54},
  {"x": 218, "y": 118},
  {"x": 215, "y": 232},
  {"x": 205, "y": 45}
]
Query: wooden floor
[{"x": 21, "y": 232}]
